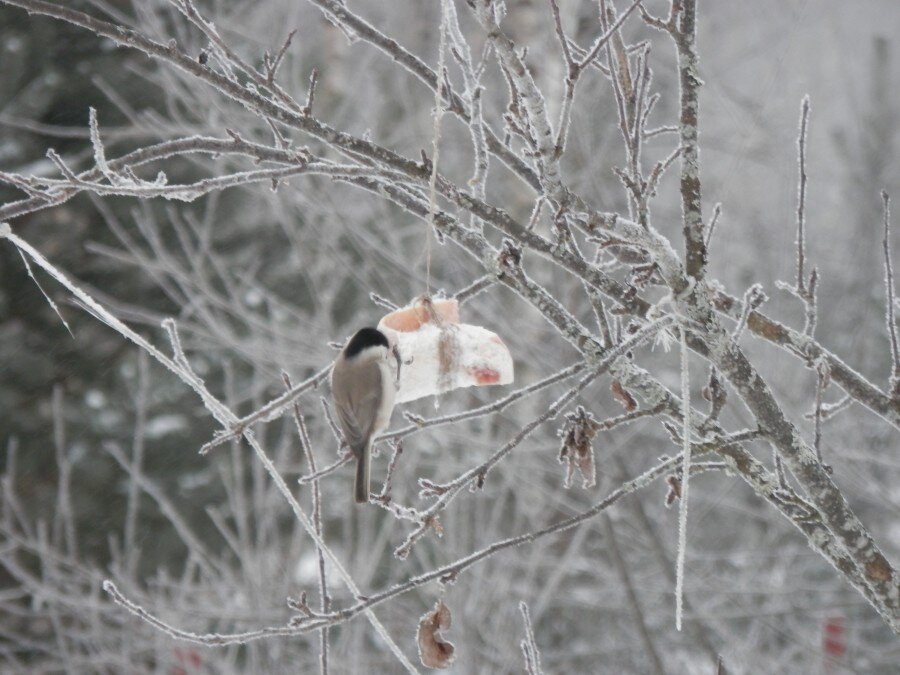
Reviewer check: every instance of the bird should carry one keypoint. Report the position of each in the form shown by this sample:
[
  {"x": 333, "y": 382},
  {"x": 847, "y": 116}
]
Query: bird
[{"x": 363, "y": 389}]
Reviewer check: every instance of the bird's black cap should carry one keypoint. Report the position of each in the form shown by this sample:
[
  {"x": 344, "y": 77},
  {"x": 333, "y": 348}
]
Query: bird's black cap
[{"x": 365, "y": 337}]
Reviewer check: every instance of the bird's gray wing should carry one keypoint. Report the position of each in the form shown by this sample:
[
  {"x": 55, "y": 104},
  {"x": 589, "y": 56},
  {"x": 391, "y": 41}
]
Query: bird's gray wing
[
  {"x": 358, "y": 415},
  {"x": 353, "y": 434}
]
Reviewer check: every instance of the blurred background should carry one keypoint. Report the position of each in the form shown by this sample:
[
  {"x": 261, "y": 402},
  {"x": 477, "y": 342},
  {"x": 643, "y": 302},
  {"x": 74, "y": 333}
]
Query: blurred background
[{"x": 98, "y": 447}]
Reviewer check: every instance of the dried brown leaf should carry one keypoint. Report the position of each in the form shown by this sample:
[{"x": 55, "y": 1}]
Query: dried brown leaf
[
  {"x": 622, "y": 396},
  {"x": 434, "y": 651},
  {"x": 576, "y": 450},
  {"x": 674, "y": 492}
]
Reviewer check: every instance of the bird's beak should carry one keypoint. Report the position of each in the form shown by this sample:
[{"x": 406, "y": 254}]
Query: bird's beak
[{"x": 396, "y": 352}]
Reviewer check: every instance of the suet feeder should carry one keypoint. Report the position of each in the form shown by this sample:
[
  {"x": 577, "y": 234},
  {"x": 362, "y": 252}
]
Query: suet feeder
[{"x": 439, "y": 354}]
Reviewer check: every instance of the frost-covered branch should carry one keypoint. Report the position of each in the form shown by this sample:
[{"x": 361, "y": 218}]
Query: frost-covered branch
[
  {"x": 576, "y": 288},
  {"x": 894, "y": 380}
]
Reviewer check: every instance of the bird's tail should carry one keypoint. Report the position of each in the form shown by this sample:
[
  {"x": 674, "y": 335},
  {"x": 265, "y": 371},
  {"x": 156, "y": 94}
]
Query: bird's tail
[{"x": 361, "y": 486}]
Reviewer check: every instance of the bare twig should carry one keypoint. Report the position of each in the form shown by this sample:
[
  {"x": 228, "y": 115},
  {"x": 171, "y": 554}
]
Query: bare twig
[
  {"x": 711, "y": 228},
  {"x": 823, "y": 378},
  {"x": 598, "y": 44},
  {"x": 209, "y": 639},
  {"x": 529, "y": 646},
  {"x": 331, "y": 468},
  {"x": 801, "y": 196},
  {"x": 382, "y": 302},
  {"x": 805, "y": 287},
  {"x": 272, "y": 65},
  {"x": 310, "y": 92},
  {"x": 473, "y": 289},
  {"x": 698, "y": 627},
  {"x": 385, "y": 495},
  {"x": 894, "y": 384},
  {"x": 274, "y": 408},
  {"x": 137, "y": 459},
  {"x": 325, "y": 605},
  {"x": 633, "y": 601},
  {"x": 64, "y": 523},
  {"x": 685, "y": 480},
  {"x": 753, "y": 298}
]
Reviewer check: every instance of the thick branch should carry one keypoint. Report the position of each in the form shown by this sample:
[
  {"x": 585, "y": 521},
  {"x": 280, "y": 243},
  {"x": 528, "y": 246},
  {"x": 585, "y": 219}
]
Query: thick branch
[{"x": 689, "y": 79}]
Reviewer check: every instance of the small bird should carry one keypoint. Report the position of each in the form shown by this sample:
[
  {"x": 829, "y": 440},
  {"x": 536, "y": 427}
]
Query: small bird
[{"x": 363, "y": 388}]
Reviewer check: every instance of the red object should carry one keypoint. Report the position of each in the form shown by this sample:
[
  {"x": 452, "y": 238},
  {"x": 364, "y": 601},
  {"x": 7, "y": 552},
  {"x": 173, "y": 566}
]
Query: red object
[
  {"x": 834, "y": 642},
  {"x": 188, "y": 658},
  {"x": 484, "y": 375}
]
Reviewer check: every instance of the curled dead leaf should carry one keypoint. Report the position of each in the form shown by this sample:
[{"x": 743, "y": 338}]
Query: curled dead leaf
[
  {"x": 435, "y": 524},
  {"x": 622, "y": 396},
  {"x": 674, "y": 492},
  {"x": 576, "y": 450},
  {"x": 434, "y": 651}
]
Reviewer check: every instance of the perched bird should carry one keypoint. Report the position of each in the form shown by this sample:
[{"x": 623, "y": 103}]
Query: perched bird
[{"x": 363, "y": 387}]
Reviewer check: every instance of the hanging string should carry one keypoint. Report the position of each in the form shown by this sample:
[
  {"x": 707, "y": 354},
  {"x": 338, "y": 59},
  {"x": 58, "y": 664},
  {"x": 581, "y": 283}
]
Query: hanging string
[{"x": 438, "y": 113}]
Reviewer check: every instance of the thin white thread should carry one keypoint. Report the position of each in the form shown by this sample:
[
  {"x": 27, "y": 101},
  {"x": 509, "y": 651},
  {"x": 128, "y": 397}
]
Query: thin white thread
[
  {"x": 44, "y": 293},
  {"x": 435, "y": 143}
]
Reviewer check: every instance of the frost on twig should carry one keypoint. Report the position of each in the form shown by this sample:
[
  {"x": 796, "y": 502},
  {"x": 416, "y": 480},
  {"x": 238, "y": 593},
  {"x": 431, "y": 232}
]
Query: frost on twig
[
  {"x": 99, "y": 152},
  {"x": 311, "y": 92},
  {"x": 713, "y": 221},
  {"x": 383, "y": 302},
  {"x": 385, "y": 495},
  {"x": 325, "y": 599},
  {"x": 823, "y": 379},
  {"x": 529, "y": 645},
  {"x": 894, "y": 381},
  {"x": 804, "y": 287},
  {"x": 208, "y": 639},
  {"x": 685, "y": 481},
  {"x": 753, "y": 298},
  {"x": 49, "y": 300},
  {"x": 801, "y": 284}
]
